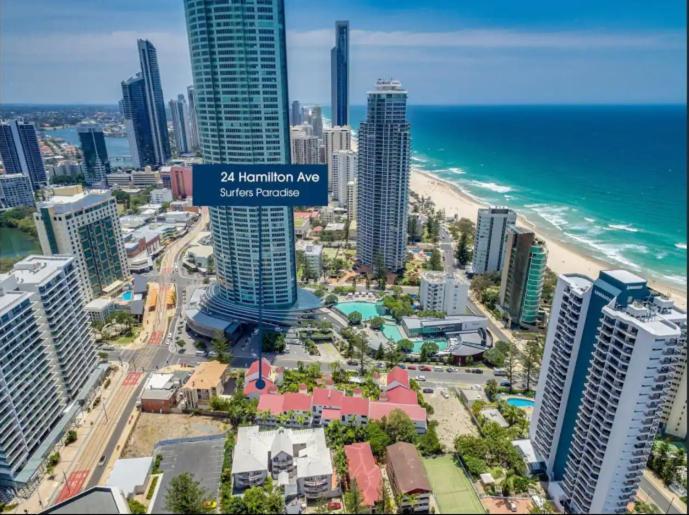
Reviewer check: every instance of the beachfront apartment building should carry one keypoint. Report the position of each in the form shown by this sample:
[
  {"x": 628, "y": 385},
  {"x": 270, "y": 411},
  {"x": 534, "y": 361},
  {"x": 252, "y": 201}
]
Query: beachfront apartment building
[
  {"x": 446, "y": 292},
  {"x": 383, "y": 179},
  {"x": 85, "y": 225},
  {"x": 523, "y": 273},
  {"x": 612, "y": 348},
  {"x": 15, "y": 191},
  {"x": 335, "y": 138},
  {"x": 298, "y": 460},
  {"x": 304, "y": 146},
  {"x": 491, "y": 227},
  {"x": 20, "y": 151}
]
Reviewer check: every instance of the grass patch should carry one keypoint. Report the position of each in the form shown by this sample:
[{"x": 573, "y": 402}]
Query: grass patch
[
  {"x": 451, "y": 487},
  {"x": 152, "y": 488}
]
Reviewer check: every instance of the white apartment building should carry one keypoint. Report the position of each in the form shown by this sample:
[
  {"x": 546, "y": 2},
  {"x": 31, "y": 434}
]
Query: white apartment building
[
  {"x": 296, "y": 459},
  {"x": 676, "y": 421},
  {"x": 341, "y": 171},
  {"x": 85, "y": 225},
  {"x": 161, "y": 196},
  {"x": 441, "y": 291},
  {"x": 350, "y": 206},
  {"x": 313, "y": 255},
  {"x": 305, "y": 148},
  {"x": 334, "y": 139},
  {"x": 491, "y": 225}
]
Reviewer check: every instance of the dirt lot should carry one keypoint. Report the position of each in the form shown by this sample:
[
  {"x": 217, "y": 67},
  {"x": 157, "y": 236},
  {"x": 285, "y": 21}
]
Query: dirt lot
[
  {"x": 453, "y": 418},
  {"x": 153, "y": 427}
]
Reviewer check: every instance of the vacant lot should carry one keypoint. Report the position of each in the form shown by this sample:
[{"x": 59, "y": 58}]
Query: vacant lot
[
  {"x": 153, "y": 427},
  {"x": 453, "y": 418},
  {"x": 451, "y": 488}
]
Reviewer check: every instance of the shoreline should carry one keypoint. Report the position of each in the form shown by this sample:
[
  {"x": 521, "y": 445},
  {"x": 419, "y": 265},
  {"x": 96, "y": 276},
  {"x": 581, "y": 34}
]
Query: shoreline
[{"x": 562, "y": 257}]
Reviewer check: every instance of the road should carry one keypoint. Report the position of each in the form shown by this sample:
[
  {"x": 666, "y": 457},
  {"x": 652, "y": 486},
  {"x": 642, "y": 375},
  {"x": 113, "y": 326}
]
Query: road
[{"x": 658, "y": 494}]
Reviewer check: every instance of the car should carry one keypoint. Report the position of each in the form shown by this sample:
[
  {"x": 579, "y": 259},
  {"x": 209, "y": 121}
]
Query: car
[
  {"x": 412, "y": 367},
  {"x": 352, "y": 362},
  {"x": 200, "y": 353},
  {"x": 450, "y": 369},
  {"x": 475, "y": 371},
  {"x": 402, "y": 366},
  {"x": 438, "y": 369},
  {"x": 505, "y": 384},
  {"x": 421, "y": 378},
  {"x": 445, "y": 394},
  {"x": 427, "y": 390},
  {"x": 499, "y": 372},
  {"x": 425, "y": 368},
  {"x": 512, "y": 505},
  {"x": 334, "y": 505},
  {"x": 101, "y": 461}
]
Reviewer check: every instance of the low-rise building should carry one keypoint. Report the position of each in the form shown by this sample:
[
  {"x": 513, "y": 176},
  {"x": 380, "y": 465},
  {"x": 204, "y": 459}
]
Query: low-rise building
[
  {"x": 146, "y": 177},
  {"x": 408, "y": 478},
  {"x": 207, "y": 381},
  {"x": 100, "y": 309},
  {"x": 297, "y": 460},
  {"x": 161, "y": 196},
  {"x": 129, "y": 475},
  {"x": 364, "y": 471}
]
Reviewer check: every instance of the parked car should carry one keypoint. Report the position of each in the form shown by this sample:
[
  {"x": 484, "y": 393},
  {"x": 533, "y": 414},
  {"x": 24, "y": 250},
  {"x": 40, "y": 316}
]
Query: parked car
[
  {"x": 428, "y": 389},
  {"x": 438, "y": 369},
  {"x": 421, "y": 378},
  {"x": 450, "y": 369},
  {"x": 445, "y": 394},
  {"x": 412, "y": 367},
  {"x": 512, "y": 505},
  {"x": 476, "y": 371},
  {"x": 425, "y": 368},
  {"x": 352, "y": 362},
  {"x": 402, "y": 366},
  {"x": 499, "y": 372},
  {"x": 505, "y": 384},
  {"x": 101, "y": 461}
]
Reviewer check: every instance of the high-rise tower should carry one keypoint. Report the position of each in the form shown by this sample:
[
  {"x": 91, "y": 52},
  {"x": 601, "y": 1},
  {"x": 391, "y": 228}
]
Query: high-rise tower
[
  {"x": 180, "y": 124},
  {"x": 243, "y": 118},
  {"x": 155, "y": 102},
  {"x": 96, "y": 162},
  {"x": 339, "y": 75},
  {"x": 20, "y": 152},
  {"x": 138, "y": 124},
  {"x": 383, "y": 178}
]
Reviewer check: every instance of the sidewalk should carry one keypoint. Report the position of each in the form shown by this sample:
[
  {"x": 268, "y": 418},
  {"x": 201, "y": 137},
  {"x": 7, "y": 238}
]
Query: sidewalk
[{"x": 86, "y": 425}]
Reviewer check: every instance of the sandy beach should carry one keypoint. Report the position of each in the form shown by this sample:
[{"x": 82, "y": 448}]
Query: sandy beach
[{"x": 562, "y": 258}]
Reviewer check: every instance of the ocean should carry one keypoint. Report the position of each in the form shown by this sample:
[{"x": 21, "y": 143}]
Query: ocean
[{"x": 608, "y": 180}]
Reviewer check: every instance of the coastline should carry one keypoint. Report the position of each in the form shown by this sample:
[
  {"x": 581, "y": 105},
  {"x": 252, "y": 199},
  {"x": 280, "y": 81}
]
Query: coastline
[{"x": 562, "y": 257}]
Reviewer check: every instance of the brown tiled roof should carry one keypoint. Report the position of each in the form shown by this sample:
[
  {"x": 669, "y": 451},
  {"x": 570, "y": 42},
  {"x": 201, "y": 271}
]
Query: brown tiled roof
[{"x": 407, "y": 467}]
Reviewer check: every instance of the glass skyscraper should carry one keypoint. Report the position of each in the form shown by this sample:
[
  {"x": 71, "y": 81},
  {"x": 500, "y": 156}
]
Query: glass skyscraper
[
  {"x": 180, "y": 124},
  {"x": 96, "y": 162},
  {"x": 339, "y": 75},
  {"x": 242, "y": 115},
  {"x": 20, "y": 152},
  {"x": 383, "y": 179},
  {"x": 155, "y": 102},
  {"x": 138, "y": 124}
]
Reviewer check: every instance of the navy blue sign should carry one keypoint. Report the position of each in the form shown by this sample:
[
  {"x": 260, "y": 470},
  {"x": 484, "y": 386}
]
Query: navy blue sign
[{"x": 260, "y": 185}]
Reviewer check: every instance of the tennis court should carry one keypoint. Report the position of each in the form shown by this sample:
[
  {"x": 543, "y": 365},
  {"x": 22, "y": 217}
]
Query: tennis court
[{"x": 451, "y": 487}]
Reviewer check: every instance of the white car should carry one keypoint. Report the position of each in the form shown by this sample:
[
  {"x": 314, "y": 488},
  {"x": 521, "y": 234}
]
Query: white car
[{"x": 421, "y": 378}]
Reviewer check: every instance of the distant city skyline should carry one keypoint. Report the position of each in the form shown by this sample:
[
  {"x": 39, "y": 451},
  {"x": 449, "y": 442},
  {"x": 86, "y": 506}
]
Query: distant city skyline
[{"x": 446, "y": 53}]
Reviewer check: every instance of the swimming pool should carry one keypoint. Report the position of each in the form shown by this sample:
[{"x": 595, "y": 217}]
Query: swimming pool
[
  {"x": 418, "y": 343},
  {"x": 392, "y": 332},
  {"x": 368, "y": 310},
  {"x": 520, "y": 402},
  {"x": 127, "y": 295}
]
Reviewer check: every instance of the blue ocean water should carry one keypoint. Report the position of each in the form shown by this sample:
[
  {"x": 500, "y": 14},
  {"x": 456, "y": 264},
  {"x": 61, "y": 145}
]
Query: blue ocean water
[
  {"x": 610, "y": 180},
  {"x": 118, "y": 148}
]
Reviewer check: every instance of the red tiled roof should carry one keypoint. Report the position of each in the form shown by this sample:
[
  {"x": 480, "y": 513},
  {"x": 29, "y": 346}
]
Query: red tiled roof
[
  {"x": 398, "y": 374},
  {"x": 355, "y": 406},
  {"x": 327, "y": 397},
  {"x": 270, "y": 402},
  {"x": 253, "y": 368},
  {"x": 363, "y": 469},
  {"x": 251, "y": 387},
  {"x": 402, "y": 395},
  {"x": 378, "y": 410},
  {"x": 296, "y": 402},
  {"x": 331, "y": 414}
]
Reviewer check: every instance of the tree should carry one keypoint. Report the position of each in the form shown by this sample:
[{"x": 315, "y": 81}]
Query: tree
[
  {"x": 380, "y": 353},
  {"x": 436, "y": 260},
  {"x": 463, "y": 253},
  {"x": 511, "y": 363},
  {"x": 354, "y": 318},
  {"x": 185, "y": 495},
  {"x": 428, "y": 349},
  {"x": 354, "y": 500},
  {"x": 412, "y": 228},
  {"x": 71, "y": 437},
  {"x": 494, "y": 357},
  {"x": 530, "y": 359},
  {"x": 491, "y": 389},
  {"x": 399, "y": 427},
  {"x": 330, "y": 299},
  {"x": 429, "y": 443},
  {"x": 405, "y": 345},
  {"x": 377, "y": 438},
  {"x": 264, "y": 499},
  {"x": 379, "y": 270},
  {"x": 376, "y": 322},
  {"x": 221, "y": 347}
]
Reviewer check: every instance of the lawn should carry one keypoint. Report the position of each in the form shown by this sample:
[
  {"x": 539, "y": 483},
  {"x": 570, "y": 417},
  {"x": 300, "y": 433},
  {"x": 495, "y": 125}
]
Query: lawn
[{"x": 451, "y": 487}]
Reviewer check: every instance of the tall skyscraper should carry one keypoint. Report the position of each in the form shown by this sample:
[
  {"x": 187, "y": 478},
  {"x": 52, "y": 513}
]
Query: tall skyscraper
[
  {"x": 304, "y": 148},
  {"x": 193, "y": 124},
  {"x": 180, "y": 124},
  {"x": 383, "y": 178},
  {"x": 135, "y": 112},
  {"x": 296, "y": 114},
  {"x": 523, "y": 272},
  {"x": 45, "y": 329},
  {"x": 15, "y": 191},
  {"x": 611, "y": 349},
  {"x": 255, "y": 130},
  {"x": 96, "y": 162},
  {"x": 316, "y": 121},
  {"x": 86, "y": 226},
  {"x": 491, "y": 225},
  {"x": 20, "y": 151},
  {"x": 334, "y": 139},
  {"x": 344, "y": 170},
  {"x": 155, "y": 102},
  {"x": 339, "y": 74}
]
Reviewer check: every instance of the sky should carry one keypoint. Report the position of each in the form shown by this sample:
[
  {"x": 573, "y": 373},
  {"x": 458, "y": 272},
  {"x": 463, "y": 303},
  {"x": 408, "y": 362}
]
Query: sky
[{"x": 443, "y": 51}]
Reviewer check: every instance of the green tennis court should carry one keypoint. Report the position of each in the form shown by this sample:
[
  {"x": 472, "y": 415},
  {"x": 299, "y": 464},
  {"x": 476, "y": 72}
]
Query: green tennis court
[{"x": 451, "y": 487}]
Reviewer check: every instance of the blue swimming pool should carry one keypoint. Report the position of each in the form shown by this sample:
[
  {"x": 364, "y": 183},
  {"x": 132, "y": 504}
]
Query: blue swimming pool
[
  {"x": 520, "y": 402},
  {"x": 368, "y": 310},
  {"x": 127, "y": 296}
]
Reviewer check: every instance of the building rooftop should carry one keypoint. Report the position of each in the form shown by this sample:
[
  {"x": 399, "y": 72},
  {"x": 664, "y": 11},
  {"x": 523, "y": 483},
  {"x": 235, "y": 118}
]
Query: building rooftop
[
  {"x": 408, "y": 471},
  {"x": 363, "y": 469},
  {"x": 99, "y": 499},
  {"x": 38, "y": 269},
  {"x": 83, "y": 200},
  {"x": 380, "y": 409},
  {"x": 130, "y": 473},
  {"x": 206, "y": 375},
  {"x": 493, "y": 415}
]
